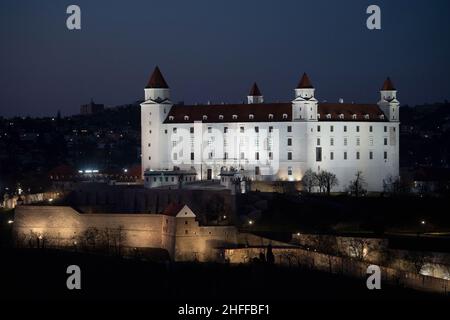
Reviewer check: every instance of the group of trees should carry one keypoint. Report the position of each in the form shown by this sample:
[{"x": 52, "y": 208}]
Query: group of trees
[{"x": 325, "y": 181}]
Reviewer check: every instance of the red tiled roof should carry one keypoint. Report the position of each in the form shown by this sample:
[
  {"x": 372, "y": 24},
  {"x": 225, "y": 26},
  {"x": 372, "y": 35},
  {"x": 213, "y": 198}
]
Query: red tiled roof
[
  {"x": 350, "y": 112},
  {"x": 254, "y": 91},
  {"x": 157, "y": 80},
  {"x": 388, "y": 85},
  {"x": 226, "y": 113},
  {"x": 305, "y": 83},
  {"x": 260, "y": 112},
  {"x": 172, "y": 209}
]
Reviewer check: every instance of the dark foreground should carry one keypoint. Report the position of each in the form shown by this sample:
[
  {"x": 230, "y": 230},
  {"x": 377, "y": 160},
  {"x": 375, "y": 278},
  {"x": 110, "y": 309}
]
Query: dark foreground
[{"x": 34, "y": 274}]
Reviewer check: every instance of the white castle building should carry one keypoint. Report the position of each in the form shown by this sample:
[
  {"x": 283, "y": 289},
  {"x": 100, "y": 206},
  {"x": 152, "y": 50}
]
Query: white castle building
[{"x": 269, "y": 141}]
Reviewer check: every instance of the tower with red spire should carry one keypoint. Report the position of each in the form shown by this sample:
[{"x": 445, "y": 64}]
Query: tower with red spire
[
  {"x": 388, "y": 100},
  {"x": 154, "y": 110},
  {"x": 304, "y": 106},
  {"x": 255, "y": 95}
]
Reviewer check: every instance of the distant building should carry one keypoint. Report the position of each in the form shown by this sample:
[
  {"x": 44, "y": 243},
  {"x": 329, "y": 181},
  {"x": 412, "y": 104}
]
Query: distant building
[{"x": 91, "y": 108}]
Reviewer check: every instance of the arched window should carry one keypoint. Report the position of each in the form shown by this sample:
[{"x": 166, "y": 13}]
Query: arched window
[
  {"x": 171, "y": 118},
  {"x": 186, "y": 118},
  {"x": 235, "y": 116},
  {"x": 220, "y": 117},
  {"x": 270, "y": 116},
  {"x": 251, "y": 116},
  {"x": 285, "y": 115},
  {"x": 205, "y": 117}
]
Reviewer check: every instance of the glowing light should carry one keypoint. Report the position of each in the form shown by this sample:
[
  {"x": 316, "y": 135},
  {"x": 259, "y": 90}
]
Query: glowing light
[
  {"x": 125, "y": 170},
  {"x": 50, "y": 200},
  {"x": 250, "y": 222},
  {"x": 10, "y": 221},
  {"x": 40, "y": 237},
  {"x": 298, "y": 234},
  {"x": 423, "y": 222}
]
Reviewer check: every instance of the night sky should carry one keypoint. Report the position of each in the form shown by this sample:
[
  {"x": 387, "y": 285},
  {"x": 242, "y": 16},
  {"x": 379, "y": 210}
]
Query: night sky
[{"x": 215, "y": 50}]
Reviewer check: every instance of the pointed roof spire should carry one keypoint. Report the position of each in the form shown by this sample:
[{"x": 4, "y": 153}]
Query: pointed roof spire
[
  {"x": 305, "y": 83},
  {"x": 254, "y": 91},
  {"x": 157, "y": 80},
  {"x": 388, "y": 85}
]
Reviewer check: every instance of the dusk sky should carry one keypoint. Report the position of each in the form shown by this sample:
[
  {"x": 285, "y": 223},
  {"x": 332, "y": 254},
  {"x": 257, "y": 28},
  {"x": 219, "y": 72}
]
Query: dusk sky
[{"x": 215, "y": 50}]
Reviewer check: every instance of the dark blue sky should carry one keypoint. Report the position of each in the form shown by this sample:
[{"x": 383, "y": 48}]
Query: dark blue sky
[{"x": 214, "y": 50}]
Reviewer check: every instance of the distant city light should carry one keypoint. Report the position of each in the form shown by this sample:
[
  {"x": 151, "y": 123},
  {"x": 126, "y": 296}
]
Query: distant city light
[
  {"x": 10, "y": 221},
  {"x": 125, "y": 170},
  {"x": 250, "y": 222},
  {"x": 423, "y": 222},
  {"x": 298, "y": 234}
]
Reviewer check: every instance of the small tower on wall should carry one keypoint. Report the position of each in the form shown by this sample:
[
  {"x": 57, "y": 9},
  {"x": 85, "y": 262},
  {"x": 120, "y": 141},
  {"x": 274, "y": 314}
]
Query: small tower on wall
[
  {"x": 255, "y": 95},
  {"x": 304, "y": 106},
  {"x": 154, "y": 111},
  {"x": 388, "y": 101}
]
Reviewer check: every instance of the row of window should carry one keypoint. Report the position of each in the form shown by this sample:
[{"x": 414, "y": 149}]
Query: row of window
[
  {"x": 345, "y": 155},
  {"x": 172, "y": 179},
  {"x": 358, "y": 141},
  {"x": 357, "y": 128},
  {"x": 234, "y": 117}
]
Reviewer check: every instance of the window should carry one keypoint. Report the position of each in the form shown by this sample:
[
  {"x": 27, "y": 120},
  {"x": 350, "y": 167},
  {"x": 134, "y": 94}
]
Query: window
[
  {"x": 357, "y": 155},
  {"x": 192, "y": 156},
  {"x": 220, "y": 116},
  {"x": 270, "y": 129},
  {"x": 328, "y": 116},
  {"x": 149, "y": 158},
  {"x": 370, "y": 155},
  {"x": 242, "y": 155},
  {"x": 385, "y": 141},
  {"x": 165, "y": 131},
  {"x": 341, "y": 116},
  {"x": 256, "y": 155},
  {"x": 205, "y": 117},
  {"x": 354, "y": 116},
  {"x": 174, "y": 130},
  {"x": 285, "y": 116},
  {"x": 185, "y": 232},
  {"x": 318, "y": 128},
  {"x": 318, "y": 141},
  {"x": 289, "y": 128},
  {"x": 256, "y": 129},
  {"x": 370, "y": 129},
  {"x": 191, "y": 129},
  {"x": 257, "y": 171},
  {"x": 270, "y": 156},
  {"x": 331, "y": 155},
  {"x": 370, "y": 141},
  {"x": 154, "y": 179},
  {"x": 289, "y": 155},
  {"x": 150, "y": 132},
  {"x": 358, "y": 141},
  {"x": 289, "y": 171},
  {"x": 149, "y": 144},
  {"x": 225, "y": 155},
  {"x": 251, "y": 117},
  {"x": 357, "y": 128},
  {"x": 234, "y": 116},
  {"x": 331, "y": 141},
  {"x": 173, "y": 179},
  {"x": 175, "y": 156},
  {"x": 332, "y": 129},
  {"x": 345, "y": 141},
  {"x": 345, "y": 155},
  {"x": 289, "y": 142},
  {"x": 186, "y": 118},
  {"x": 174, "y": 143},
  {"x": 171, "y": 118},
  {"x": 270, "y": 116},
  {"x": 385, "y": 155},
  {"x": 385, "y": 128},
  {"x": 345, "y": 128},
  {"x": 366, "y": 116},
  {"x": 167, "y": 179},
  {"x": 242, "y": 129},
  {"x": 209, "y": 129},
  {"x": 225, "y": 129},
  {"x": 382, "y": 116},
  {"x": 318, "y": 154}
]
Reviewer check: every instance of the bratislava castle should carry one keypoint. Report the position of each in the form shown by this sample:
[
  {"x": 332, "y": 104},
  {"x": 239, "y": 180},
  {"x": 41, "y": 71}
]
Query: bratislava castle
[{"x": 269, "y": 141}]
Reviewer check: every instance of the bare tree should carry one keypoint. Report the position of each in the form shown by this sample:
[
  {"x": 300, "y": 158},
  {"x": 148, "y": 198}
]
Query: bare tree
[
  {"x": 309, "y": 180},
  {"x": 358, "y": 248},
  {"x": 326, "y": 181},
  {"x": 357, "y": 186}
]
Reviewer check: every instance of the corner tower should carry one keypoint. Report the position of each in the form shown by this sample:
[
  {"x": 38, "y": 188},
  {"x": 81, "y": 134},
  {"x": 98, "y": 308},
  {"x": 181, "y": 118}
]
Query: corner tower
[
  {"x": 304, "y": 106},
  {"x": 388, "y": 101},
  {"x": 154, "y": 110}
]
